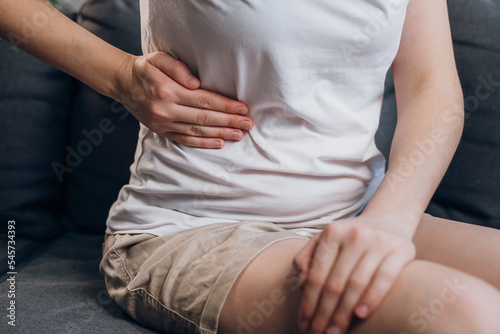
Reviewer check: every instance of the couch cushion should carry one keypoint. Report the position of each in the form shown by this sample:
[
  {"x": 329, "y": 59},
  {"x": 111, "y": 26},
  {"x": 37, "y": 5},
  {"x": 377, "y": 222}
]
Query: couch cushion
[
  {"x": 24, "y": 248},
  {"x": 470, "y": 190},
  {"x": 62, "y": 291},
  {"x": 34, "y": 103},
  {"x": 103, "y": 133}
]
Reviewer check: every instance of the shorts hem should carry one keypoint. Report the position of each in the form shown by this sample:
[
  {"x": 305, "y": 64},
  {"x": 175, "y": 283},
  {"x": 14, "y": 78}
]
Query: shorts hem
[{"x": 228, "y": 277}]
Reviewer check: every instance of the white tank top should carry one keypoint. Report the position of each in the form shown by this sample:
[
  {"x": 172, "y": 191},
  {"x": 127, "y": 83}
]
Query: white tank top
[{"x": 312, "y": 74}]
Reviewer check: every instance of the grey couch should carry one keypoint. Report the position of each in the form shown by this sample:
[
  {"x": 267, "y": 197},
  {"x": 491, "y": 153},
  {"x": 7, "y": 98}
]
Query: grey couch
[{"x": 57, "y": 185}]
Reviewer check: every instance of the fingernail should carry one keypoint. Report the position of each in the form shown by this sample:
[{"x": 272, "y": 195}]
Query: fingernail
[
  {"x": 191, "y": 80},
  {"x": 333, "y": 330},
  {"x": 218, "y": 144},
  {"x": 362, "y": 311},
  {"x": 246, "y": 125},
  {"x": 235, "y": 135},
  {"x": 241, "y": 110},
  {"x": 304, "y": 326}
]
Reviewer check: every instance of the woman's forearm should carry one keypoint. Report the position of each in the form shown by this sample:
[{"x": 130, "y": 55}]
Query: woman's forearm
[
  {"x": 430, "y": 117},
  {"x": 41, "y": 30},
  {"x": 427, "y": 134},
  {"x": 156, "y": 88}
]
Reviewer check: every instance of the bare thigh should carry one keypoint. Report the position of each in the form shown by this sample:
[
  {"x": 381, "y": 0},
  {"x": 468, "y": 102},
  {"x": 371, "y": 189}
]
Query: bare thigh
[
  {"x": 427, "y": 297},
  {"x": 466, "y": 247}
]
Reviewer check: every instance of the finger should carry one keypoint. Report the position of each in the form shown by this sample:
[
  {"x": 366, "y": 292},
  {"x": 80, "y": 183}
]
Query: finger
[
  {"x": 203, "y": 99},
  {"x": 211, "y": 118},
  {"x": 302, "y": 259},
  {"x": 335, "y": 286},
  {"x": 174, "y": 68},
  {"x": 198, "y": 142},
  {"x": 206, "y": 131},
  {"x": 357, "y": 284},
  {"x": 324, "y": 256},
  {"x": 383, "y": 280}
]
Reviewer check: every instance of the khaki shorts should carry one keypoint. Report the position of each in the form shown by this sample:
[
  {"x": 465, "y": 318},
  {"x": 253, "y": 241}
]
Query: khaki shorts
[{"x": 178, "y": 283}]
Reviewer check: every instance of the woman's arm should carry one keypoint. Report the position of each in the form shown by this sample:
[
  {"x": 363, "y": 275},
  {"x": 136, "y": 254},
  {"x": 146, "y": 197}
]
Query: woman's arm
[
  {"x": 156, "y": 88},
  {"x": 348, "y": 268},
  {"x": 430, "y": 117},
  {"x": 38, "y": 28}
]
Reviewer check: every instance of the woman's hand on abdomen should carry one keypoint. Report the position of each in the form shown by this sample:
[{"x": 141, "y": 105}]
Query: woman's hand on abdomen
[
  {"x": 161, "y": 93},
  {"x": 154, "y": 87}
]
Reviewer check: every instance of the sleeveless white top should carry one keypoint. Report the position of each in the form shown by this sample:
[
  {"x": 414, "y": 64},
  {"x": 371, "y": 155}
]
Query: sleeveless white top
[{"x": 312, "y": 74}]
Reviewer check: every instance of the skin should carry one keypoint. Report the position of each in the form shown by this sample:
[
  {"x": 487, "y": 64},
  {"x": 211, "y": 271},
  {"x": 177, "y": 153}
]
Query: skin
[
  {"x": 351, "y": 265},
  {"x": 362, "y": 275},
  {"x": 358, "y": 268},
  {"x": 157, "y": 89},
  {"x": 419, "y": 285}
]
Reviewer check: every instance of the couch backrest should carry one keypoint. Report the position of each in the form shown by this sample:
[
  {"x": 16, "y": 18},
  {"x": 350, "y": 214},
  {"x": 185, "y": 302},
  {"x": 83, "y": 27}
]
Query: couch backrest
[
  {"x": 49, "y": 122},
  {"x": 34, "y": 103},
  {"x": 108, "y": 132},
  {"x": 470, "y": 190},
  {"x": 65, "y": 149}
]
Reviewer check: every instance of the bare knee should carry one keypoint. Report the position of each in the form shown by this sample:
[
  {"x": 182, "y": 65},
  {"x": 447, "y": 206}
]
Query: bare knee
[
  {"x": 475, "y": 308},
  {"x": 459, "y": 303},
  {"x": 427, "y": 298}
]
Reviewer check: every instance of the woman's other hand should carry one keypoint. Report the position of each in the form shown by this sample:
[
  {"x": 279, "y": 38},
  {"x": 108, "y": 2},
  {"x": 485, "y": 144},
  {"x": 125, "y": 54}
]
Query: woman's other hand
[
  {"x": 346, "y": 270},
  {"x": 161, "y": 93}
]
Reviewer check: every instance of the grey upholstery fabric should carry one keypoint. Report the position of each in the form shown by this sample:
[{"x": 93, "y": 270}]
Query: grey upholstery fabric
[
  {"x": 58, "y": 286},
  {"x": 34, "y": 103},
  {"x": 60, "y": 290},
  {"x": 94, "y": 183},
  {"x": 470, "y": 190},
  {"x": 385, "y": 132},
  {"x": 24, "y": 249}
]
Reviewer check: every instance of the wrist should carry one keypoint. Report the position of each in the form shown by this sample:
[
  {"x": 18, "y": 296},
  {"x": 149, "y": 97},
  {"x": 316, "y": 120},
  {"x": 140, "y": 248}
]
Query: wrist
[
  {"x": 401, "y": 222},
  {"x": 395, "y": 210},
  {"x": 121, "y": 78}
]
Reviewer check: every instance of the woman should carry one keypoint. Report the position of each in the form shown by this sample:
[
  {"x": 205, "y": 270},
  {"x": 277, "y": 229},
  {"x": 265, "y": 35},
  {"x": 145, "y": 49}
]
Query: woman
[{"x": 295, "y": 227}]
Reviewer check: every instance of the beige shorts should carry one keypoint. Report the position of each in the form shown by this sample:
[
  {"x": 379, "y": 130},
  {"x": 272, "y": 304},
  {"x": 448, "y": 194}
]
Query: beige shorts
[{"x": 178, "y": 283}]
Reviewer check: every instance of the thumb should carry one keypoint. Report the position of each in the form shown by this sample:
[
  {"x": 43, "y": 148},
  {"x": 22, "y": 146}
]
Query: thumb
[{"x": 174, "y": 68}]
